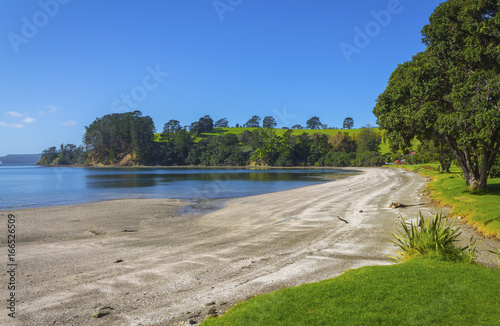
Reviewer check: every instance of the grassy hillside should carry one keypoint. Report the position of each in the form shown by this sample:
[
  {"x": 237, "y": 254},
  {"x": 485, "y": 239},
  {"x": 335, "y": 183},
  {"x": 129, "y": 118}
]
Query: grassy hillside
[
  {"x": 384, "y": 147},
  {"x": 419, "y": 292}
]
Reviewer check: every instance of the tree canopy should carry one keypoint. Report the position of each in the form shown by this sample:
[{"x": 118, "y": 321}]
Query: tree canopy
[
  {"x": 204, "y": 124},
  {"x": 253, "y": 122},
  {"x": 313, "y": 123},
  {"x": 269, "y": 122},
  {"x": 222, "y": 123},
  {"x": 120, "y": 133},
  {"x": 451, "y": 91},
  {"x": 348, "y": 123}
]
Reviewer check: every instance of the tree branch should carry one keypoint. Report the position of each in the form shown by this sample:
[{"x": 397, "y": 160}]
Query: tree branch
[{"x": 491, "y": 149}]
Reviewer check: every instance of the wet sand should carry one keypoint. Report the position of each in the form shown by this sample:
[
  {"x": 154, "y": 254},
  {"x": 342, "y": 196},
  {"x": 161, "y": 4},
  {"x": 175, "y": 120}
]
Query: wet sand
[{"x": 155, "y": 266}]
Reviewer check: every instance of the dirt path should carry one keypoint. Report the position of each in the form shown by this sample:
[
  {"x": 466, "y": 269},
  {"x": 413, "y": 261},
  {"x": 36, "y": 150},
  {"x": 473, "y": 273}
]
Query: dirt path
[{"x": 172, "y": 268}]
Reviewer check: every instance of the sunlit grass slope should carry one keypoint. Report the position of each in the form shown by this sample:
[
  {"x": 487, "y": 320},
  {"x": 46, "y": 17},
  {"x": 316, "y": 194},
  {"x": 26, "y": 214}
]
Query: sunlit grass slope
[{"x": 481, "y": 209}]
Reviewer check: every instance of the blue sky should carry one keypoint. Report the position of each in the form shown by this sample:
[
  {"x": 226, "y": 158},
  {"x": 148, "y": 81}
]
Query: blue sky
[{"x": 64, "y": 63}]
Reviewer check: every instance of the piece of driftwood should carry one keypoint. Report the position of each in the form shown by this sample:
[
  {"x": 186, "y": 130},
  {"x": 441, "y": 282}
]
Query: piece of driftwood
[
  {"x": 340, "y": 218},
  {"x": 397, "y": 205}
]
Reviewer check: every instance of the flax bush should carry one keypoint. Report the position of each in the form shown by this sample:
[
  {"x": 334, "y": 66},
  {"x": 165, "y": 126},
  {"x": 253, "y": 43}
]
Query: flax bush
[{"x": 431, "y": 237}]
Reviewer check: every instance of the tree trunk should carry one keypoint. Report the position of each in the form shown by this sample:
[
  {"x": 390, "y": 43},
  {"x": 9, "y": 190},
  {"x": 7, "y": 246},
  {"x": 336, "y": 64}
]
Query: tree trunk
[
  {"x": 469, "y": 168},
  {"x": 487, "y": 160},
  {"x": 445, "y": 165}
]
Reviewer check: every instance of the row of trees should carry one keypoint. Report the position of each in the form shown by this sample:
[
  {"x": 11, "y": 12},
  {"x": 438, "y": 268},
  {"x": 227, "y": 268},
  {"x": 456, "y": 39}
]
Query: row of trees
[
  {"x": 110, "y": 139},
  {"x": 268, "y": 122}
]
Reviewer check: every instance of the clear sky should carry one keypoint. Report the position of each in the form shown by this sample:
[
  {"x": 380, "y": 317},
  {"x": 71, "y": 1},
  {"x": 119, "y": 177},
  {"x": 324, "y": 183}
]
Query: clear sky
[{"x": 64, "y": 63}]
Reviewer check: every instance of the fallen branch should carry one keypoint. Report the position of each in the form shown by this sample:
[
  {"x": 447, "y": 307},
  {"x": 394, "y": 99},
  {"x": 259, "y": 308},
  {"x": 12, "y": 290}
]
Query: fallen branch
[{"x": 342, "y": 219}]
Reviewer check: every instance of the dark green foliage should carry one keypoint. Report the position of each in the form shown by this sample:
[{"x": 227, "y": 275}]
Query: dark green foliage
[
  {"x": 254, "y": 122},
  {"x": 265, "y": 144},
  {"x": 111, "y": 137},
  {"x": 216, "y": 151},
  {"x": 222, "y": 123},
  {"x": 313, "y": 123},
  {"x": 169, "y": 130},
  {"x": 495, "y": 169},
  {"x": 48, "y": 156},
  {"x": 348, "y": 123},
  {"x": 269, "y": 122},
  {"x": 128, "y": 138},
  {"x": 433, "y": 150},
  {"x": 68, "y": 154},
  {"x": 342, "y": 142},
  {"x": 334, "y": 158},
  {"x": 367, "y": 146},
  {"x": 263, "y": 147},
  {"x": 174, "y": 149},
  {"x": 318, "y": 148},
  {"x": 369, "y": 158},
  {"x": 205, "y": 124}
]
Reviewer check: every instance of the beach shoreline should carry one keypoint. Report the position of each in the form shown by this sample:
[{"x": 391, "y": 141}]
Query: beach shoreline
[{"x": 155, "y": 266}]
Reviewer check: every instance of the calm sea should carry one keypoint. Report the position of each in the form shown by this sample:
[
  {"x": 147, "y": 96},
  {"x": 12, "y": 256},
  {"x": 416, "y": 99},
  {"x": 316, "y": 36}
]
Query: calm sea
[{"x": 35, "y": 186}]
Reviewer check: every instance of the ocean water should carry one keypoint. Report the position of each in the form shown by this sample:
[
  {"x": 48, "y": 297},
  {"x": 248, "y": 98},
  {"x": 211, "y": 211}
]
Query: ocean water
[{"x": 35, "y": 186}]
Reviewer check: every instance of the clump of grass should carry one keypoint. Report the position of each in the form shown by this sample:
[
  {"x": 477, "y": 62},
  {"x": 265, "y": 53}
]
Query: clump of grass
[
  {"x": 431, "y": 237},
  {"x": 497, "y": 259}
]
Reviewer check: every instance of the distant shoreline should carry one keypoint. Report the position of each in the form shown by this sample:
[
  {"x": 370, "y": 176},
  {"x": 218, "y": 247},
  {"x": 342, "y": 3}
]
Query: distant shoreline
[{"x": 248, "y": 167}]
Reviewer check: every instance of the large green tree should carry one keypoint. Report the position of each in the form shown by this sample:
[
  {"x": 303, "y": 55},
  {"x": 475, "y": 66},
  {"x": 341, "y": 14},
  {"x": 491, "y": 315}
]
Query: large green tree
[
  {"x": 269, "y": 122},
  {"x": 204, "y": 124},
  {"x": 452, "y": 89},
  {"x": 348, "y": 123},
  {"x": 313, "y": 123},
  {"x": 169, "y": 129},
  {"x": 222, "y": 123},
  {"x": 253, "y": 122},
  {"x": 114, "y": 135}
]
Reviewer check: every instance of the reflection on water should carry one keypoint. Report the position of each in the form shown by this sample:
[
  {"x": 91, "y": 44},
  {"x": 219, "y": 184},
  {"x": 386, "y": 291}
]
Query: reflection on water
[
  {"x": 39, "y": 186},
  {"x": 127, "y": 180},
  {"x": 122, "y": 181}
]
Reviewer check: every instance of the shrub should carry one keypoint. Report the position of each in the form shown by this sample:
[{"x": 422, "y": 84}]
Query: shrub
[{"x": 431, "y": 237}]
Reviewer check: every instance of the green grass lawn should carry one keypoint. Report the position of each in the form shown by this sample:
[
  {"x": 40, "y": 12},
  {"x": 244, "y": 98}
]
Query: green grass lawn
[
  {"x": 422, "y": 291},
  {"x": 481, "y": 209}
]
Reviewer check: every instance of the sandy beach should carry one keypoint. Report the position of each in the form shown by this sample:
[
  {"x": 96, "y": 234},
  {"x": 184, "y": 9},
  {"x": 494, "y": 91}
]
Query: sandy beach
[{"x": 154, "y": 263}]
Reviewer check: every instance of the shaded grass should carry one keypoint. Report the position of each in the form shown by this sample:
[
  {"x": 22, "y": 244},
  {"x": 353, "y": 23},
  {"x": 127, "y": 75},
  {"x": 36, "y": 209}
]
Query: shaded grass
[
  {"x": 479, "y": 208},
  {"x": 422, "y": 291}
]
